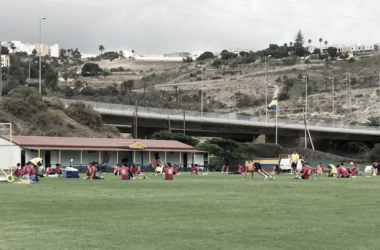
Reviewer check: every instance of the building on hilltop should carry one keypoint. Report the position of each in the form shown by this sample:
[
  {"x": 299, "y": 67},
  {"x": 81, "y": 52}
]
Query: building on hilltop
[{"x": 5, "y": 61}]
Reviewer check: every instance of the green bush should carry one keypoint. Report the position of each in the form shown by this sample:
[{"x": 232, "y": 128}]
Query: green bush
[
  {"x": 267, "y": 150},
  {"x": 374, "y": 154},
  {"x": 84, "y": 115}
]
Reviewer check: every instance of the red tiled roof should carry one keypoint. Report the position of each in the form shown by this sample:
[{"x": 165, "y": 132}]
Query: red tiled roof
[{"x": 76, "y": 143}]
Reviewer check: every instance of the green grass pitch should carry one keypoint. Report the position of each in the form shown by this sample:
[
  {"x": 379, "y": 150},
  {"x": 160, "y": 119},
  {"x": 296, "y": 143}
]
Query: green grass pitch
[{"x": 191, "y": 212}]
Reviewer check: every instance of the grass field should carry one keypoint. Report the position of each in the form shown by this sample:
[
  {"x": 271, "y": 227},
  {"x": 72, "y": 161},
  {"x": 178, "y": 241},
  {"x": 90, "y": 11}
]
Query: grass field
[{"x": 191, "y": 212}]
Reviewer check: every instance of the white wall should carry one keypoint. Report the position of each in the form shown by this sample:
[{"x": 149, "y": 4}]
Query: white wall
[{"x": 11, "y": 155}]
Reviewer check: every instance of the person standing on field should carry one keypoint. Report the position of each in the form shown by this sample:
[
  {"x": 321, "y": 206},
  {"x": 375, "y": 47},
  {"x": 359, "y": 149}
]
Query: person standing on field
[
  {"x": 226, "y": 160},
  {"x": 294, "y": 158}
]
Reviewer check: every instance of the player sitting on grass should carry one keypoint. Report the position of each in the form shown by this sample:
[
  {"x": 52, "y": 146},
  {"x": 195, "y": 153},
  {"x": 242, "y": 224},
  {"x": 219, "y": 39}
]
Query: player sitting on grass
[
  {"x": 136, "y": 172},
  {"x": 259, "y": 169},
  {"x": 354, "y": 170},
  {"x": 332, "y": 172},
  {"x": 342, "y": 171},
  {"x": 17, "y": 171},
  {"x": 158, "y": 170},
  {"x": 58, "y": 169},
  {"x": 168, "y": 172},
  {"x": 194, "y": 170},
  {"x": 49, "y": 170},
  {"x": 29, "y": 172},
  {"x": 306, "y": 172},
  {"x": 176, "y": 169},
  {"x": 116, "y": 170},
  {"x": 124, "y": 172}
]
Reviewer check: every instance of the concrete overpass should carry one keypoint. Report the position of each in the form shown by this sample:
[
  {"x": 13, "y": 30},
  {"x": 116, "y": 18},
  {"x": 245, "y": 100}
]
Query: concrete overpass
[{"x": 247, "y": 128}]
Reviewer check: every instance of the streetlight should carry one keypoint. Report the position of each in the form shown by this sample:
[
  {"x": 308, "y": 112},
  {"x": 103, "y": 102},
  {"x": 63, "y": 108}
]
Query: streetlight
[
  {"x": 266, "y": 89},
  {"x": 1, "y": 75},
  {"x": 306, "y": 110},
  {"x": 40, "y": 88}
]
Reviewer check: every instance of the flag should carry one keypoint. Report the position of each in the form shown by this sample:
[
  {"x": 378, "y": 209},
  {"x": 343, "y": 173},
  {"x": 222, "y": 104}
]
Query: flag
[{"x": 273, "y": 105}]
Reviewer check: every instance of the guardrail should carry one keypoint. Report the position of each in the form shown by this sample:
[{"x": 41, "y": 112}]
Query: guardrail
[{"x": 112, "y": 106}]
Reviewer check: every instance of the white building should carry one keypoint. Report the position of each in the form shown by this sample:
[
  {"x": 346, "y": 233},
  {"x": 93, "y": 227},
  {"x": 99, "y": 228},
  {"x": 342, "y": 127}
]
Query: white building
[
  {"x": 5, "y": 61},
  {"x": 362, "y": 48},
  {"x": 102, "y": 150},
  {"x": 54, "y": 50}
]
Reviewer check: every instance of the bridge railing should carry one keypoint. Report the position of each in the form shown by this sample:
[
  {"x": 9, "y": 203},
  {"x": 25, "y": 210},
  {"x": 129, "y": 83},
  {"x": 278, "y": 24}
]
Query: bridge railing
[{"x": 225, "y": 116}]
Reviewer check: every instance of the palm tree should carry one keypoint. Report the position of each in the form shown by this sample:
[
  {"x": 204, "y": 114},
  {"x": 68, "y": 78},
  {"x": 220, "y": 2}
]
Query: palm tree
[
  {"x": 326, "y": 43},
  {"x": 101, "y": 48},
  {"x": 13, "y": 47},
  {"x": 320, "y": 43},
  {"x": 121, "y": 54},
  {"x": 309, "y": 44}
]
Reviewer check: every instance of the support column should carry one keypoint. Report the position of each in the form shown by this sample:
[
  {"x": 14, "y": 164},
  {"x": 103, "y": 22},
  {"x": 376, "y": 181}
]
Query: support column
[
  {"x": 117, "y": 157},
  {"x": 134, "y": 156},
  {"x": 100, "y": 157},
  {"x": 165, "y": 158},
  {"x": 180, "y": 159},
  {"x": 81, "y": 157},
  {"x": 150, "y": 158},
  {"x": 59, "y": 157},
  {"x": 39, "y": 153}
]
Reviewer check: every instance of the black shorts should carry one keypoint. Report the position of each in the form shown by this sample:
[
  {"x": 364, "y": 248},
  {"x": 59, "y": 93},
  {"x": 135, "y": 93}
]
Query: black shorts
[
  {"x": 294, "y": 165},
  {"x": 226, "y": 163},
  {"x": 257, "y": 166}
]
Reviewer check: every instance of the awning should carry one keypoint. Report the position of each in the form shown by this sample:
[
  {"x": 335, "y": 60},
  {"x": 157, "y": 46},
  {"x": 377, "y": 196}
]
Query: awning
[{"x": 116, "y": 149}]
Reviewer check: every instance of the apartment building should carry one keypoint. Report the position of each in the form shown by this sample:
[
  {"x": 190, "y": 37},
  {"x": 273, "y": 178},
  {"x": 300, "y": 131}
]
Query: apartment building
[{"x": 5, "y": 61}]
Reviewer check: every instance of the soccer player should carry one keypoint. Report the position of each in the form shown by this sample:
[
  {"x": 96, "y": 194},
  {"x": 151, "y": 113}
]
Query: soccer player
[
  {"x": 176, "y": 169},
  {"x": 226, "y": 160},
  {"x": 194, "y": 170},
  {"x": 354, "y": 170},
  {"x": 294, "y": 158},
  {"x": 258, "y": 168},
  {"x": 49, "y": 170},
  {"x": 168, "y": 172},
  {"x": 17, "y": 171},
  {"x": 136, "y": 172},
  {"x": 58, "y": 169},
  {"x": 92, "y": 172},
  {"x": 124, "y": 172},
  {"x": 342, "y": 171},
  {"x": 116, "y": 170},
  {"x": 306, "y": 171},
  {"x": 332, "y": 171},
  {"x": 375, "y": 168},
  {"x": 249, "y": 167},
  {"x": 320, "y": 169}
]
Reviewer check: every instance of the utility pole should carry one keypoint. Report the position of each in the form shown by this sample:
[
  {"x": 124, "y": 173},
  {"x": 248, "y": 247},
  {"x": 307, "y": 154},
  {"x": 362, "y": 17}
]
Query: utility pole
[
  {"x": 266, "y": 92},
  {"x": 40, "y": 84},
  {"x": 349, "y": 93},
  {"x": 136, "y": 110},
  {"x": 170, "y": 128},
  {"x": 1, "y": 76},
  {"x": 184, "y": 122},
  {"x": 306, "y": 111}
]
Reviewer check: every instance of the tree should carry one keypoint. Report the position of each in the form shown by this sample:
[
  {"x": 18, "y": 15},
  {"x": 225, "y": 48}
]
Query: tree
[
  {"x": 177, "y": 137},
  {"x": 309, "y": 41},
  {"x": 91, "y": 69},
  {"x": 374, "y": 154},
  {"x": 298, "y": 46},
  {"x": 205, "y": 56},
  {"x": 13, "y": 47},
  {"x": 126, "y": 86},
  {"x": 101, "y": 48},
  {"x": 4, "y": 50},
  {"x": 121, "y": 54},
  {"x": 326, "y": 43},
  {"x": 213, "y": 149},
  {"x": 51, "y": 79},
  {"x": 187, "y": 59},
  {"x": 84, "y": 115},
  {"x": 373, "y": 121},
  {"x": 332, "y": 51},
  {"x": 320, "y": 42}
]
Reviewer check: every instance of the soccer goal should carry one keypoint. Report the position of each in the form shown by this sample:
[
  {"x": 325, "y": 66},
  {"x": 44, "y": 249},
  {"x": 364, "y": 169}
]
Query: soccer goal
[{"x": 6, "y": 150}]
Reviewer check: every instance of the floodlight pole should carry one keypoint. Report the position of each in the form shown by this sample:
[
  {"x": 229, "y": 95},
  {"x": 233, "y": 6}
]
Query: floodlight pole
[
  {"x": 266, "y": 92},
  {"x": 1, "y": 75},
  {"x": 39, "y": 75},
  {"x": 305, "y": 112}
]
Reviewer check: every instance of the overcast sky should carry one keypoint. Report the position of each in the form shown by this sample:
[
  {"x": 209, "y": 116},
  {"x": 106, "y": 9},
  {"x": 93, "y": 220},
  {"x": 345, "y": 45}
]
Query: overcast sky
[{"x": 164, "y": 26}]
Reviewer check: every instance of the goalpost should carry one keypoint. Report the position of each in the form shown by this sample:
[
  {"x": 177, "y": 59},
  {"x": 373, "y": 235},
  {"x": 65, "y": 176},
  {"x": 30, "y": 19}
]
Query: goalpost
[{"x": 6, "y": 131}]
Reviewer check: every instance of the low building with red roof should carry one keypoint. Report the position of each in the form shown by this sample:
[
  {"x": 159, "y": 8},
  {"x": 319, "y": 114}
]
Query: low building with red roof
[{"x": 81, "y": 151}]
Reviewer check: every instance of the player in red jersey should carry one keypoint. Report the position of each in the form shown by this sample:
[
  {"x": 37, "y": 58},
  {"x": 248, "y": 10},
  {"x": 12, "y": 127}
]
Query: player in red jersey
[
  {"x": 17, "y": 171},
  {"x": 194, "y": 170},
  {"x": 168, "y": 172},
  {"x": 124, "y": 172}
]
